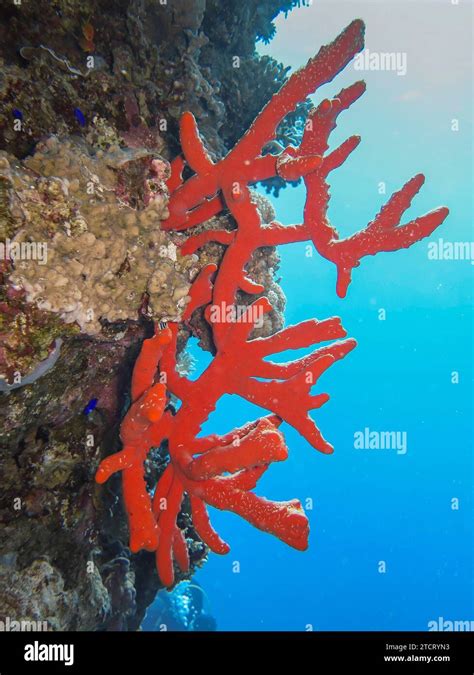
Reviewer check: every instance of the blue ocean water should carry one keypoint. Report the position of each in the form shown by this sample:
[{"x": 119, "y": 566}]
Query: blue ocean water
[{"x": 391, "y": 541}]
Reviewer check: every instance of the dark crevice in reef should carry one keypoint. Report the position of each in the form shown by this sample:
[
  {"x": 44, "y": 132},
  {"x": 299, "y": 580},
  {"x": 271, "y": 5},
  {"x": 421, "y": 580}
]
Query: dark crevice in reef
[{"x": 64, "y": 554}]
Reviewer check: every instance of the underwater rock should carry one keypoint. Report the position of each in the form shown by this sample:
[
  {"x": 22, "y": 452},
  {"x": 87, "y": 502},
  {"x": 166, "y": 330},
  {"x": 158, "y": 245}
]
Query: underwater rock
[
  {"x": 39, "y": 594},
  {"x": 188, "y": 14},
  {"x": 28, "y": 337},
  {"x": 179, "y": 56},
  {"x": 38, "y": 372},
  {"x": 55, "y": 530}
]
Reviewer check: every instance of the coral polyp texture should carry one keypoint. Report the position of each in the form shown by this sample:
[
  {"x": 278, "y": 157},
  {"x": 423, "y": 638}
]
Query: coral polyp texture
[
  {"x": 222, "y": 471},
  {"x": 92, "y": 272}
]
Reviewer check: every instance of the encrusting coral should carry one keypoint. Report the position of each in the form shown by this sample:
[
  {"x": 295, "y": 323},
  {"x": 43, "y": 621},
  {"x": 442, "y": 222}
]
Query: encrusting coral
[
  {"x": 222, "y": 471},
  {"x": 97, "y": 216}
]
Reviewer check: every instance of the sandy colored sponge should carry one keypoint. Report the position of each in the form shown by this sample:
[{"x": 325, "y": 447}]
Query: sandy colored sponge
[{"x": 99, "y": 214}]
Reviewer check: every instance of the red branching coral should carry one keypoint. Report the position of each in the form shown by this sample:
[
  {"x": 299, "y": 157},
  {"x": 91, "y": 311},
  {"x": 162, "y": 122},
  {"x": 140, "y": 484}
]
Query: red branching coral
[{"x": 222, "y": 471}]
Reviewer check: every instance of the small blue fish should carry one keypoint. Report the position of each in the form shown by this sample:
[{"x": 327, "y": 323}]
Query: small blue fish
[
  {"x": 90, "y": 406},
  {"x": 79, "y": 115},
  {"x": 17, "y": 114}
]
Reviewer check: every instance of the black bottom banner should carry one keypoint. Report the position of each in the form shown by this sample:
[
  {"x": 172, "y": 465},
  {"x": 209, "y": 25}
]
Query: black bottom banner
[{"x": 27, "y": 652}]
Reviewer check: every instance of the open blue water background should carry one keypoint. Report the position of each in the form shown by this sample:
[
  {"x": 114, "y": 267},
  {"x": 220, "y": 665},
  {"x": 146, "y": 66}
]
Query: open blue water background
[{"x": 373, "y": 505}]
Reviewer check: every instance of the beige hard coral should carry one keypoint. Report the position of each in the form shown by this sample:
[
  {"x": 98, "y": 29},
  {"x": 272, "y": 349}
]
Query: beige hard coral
[{"x": 99, "y": 215}]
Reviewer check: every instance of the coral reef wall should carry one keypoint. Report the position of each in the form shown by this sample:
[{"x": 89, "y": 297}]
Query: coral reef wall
[
  {"x": 90, "y": 97},
  {"x": 129, "y": 64}
]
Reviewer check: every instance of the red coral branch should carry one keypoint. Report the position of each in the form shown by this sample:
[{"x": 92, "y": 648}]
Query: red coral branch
[{"x": 222, "y": 471}]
